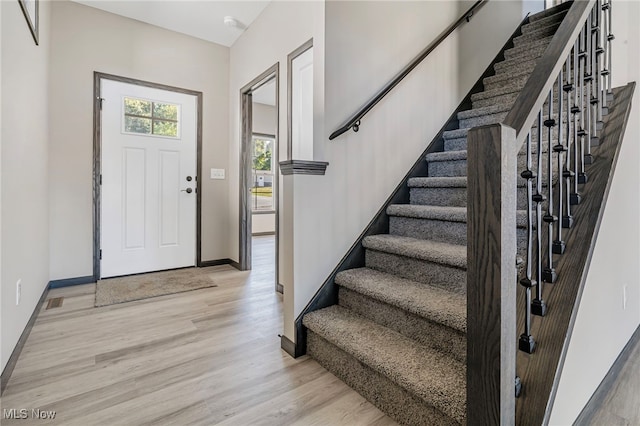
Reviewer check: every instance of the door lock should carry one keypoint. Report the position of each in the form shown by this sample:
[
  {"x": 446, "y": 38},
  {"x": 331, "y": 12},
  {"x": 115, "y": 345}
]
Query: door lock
[
  {"x": 188, "y": 190},
  {"x": 189, "y": 178}
]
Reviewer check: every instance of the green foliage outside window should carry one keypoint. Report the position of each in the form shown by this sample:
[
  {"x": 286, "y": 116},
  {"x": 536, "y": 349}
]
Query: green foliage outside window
[
  {"x": 262, "y": 154},
  {"x": 150, "y": 118}
]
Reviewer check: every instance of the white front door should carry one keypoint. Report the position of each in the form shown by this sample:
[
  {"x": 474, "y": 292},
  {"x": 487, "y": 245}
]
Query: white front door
[{"x": 148, "y": 192}]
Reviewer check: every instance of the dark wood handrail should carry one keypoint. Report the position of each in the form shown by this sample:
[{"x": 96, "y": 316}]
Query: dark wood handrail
[
  {"x": 536, "y": 90},
  {"x": 354, "y": 120}
]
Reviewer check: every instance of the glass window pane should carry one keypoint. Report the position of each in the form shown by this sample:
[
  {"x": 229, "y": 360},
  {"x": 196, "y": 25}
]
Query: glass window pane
[
  {"x": 137, "y": 107},
  {"x": 165, "y": 128},
  {"x": 137, "y": 125},
  {"x": 166, "y": 111},
  {"x": 262, "y": 150},
  {"x": 262, "y": 188}
]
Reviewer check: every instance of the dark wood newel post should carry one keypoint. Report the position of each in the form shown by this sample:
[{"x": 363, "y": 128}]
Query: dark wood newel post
[{"x": 491, "y": 275}]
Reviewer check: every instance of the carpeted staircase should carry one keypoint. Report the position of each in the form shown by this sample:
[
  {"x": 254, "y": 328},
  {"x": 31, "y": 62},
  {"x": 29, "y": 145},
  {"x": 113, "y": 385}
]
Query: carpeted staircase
[{"x": 397, "y": 335}]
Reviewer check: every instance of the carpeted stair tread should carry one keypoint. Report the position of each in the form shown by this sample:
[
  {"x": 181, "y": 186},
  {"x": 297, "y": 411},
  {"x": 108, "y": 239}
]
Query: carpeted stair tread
[
  {"x": 453, "y": 214},
  {"x": 432, "y": 251},
  {"x": 434, "y": 377},
  {"x": 446, "y": 156},
  {"x": 429, "y": 302},
  {"x": 478, "y": 112}
]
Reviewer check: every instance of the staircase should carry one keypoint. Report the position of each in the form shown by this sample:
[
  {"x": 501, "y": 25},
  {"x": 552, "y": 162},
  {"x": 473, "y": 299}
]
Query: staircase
[{"x": 398, "y": 332}]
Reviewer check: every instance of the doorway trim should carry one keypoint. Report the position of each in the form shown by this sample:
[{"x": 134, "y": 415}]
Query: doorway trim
[
  {"x": 97, "y": 153},
  {"x": 246, "y": 136}
]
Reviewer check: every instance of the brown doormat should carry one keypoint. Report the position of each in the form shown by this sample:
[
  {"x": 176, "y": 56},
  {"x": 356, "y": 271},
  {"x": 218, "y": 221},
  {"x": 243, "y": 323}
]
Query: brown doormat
[{"x": 110, "y": 291}]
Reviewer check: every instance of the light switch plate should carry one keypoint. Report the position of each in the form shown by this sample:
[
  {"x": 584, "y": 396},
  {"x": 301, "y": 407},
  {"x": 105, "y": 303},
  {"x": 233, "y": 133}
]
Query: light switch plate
[{"x": 217, "y": 173}]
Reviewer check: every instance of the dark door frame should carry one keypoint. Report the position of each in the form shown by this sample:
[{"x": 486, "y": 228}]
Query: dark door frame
[
  {"x": 97, "y": 158},
  {"x": 246, "y": 134}
]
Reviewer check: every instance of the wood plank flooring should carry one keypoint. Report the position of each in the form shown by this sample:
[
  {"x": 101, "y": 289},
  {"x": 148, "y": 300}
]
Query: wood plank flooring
[{"x": 205, "y": 357}]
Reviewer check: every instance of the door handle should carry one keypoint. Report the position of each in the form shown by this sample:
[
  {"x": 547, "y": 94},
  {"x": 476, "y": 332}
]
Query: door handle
[{"x": 188, "y": 190}]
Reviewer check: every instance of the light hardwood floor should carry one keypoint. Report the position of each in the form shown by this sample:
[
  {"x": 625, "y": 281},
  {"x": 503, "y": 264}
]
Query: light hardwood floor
[{"x": 204, "y": 357}]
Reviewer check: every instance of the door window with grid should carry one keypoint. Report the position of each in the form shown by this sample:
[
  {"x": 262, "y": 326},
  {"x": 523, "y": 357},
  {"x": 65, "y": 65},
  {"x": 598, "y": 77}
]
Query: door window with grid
[{"x": 262, "y": 173}]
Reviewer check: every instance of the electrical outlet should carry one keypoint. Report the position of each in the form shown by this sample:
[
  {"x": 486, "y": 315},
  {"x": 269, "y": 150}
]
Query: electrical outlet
[
  {"x": 624, "y": 296},
  {"x": 18, "y": 291}
]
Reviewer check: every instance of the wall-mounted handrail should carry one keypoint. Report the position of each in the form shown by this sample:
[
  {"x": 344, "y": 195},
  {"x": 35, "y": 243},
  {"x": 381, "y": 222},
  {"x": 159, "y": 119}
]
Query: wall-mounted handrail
[{"x": 354, "y": 120}]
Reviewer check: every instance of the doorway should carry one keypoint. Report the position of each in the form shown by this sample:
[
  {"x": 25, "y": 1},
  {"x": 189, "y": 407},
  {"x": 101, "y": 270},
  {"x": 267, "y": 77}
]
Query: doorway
[
  {"x": 147, "y": 144},
  {"x": 259, "y": 175}
]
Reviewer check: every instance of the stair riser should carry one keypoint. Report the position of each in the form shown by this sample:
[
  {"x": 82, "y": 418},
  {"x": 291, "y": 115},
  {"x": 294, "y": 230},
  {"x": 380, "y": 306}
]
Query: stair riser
[
  {"x": 453, "y": 197},
  {"x": 447, "y": 197},
  {"x": 389, "y": 397},
  {"x": 529, "y": 50},
  {"x": 509, "y": 98},
  {"x": 438, "y": 230},
  {"x": 435, "y": 230},
  {"x": 443, "y": 276},
  {"x": 513, "y": 85},
  {"x": 507, "y": 75},
  {"x": 445, "y": 339},
  {"x": 506, "y": 66},
  {"x": 459, "y": 167},
  {"x": 535, "y": 34},
  {"x": 497, "y": 118},
  {"x": 461, "y": 144}
]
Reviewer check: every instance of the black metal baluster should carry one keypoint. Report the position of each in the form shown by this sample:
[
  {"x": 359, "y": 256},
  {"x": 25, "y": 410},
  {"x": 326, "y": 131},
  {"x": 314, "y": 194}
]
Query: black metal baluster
[
  {"x": 582, "y": 132},
  {"x": 567, "y": 174},
  {"x": 576, "y": 110},
  {"x": 588, "y": 126},
  {"x": 599, "y": 62},
  {"x": 526, "y": 342},
  {"x": 605, "y": 57},
  {"x": 538, "y": 305},
  {"x": 549, "y": 274},
  {"x": 610, "y": 38},
  {"x": 558, "y": 244},
  {"x": 593, "y": 92}
]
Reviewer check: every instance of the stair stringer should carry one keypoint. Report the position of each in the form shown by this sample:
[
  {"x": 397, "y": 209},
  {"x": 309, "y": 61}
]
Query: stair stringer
[{"x": 540, "y": 372}]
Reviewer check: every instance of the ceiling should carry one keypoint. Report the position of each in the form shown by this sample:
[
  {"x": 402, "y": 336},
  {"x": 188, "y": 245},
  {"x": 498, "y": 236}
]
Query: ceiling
[{"x": 203, "y": 19}]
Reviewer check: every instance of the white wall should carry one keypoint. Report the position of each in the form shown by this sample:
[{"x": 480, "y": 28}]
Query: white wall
[
  {"x": 602, "y": 326},
  {"x": 25, "y": 138},
  {"x": 264, "y": 121},
  {"x": 280, "y": 29},
  {"x": 85, "y": 40},
  {"x": 367, "y": 43}
]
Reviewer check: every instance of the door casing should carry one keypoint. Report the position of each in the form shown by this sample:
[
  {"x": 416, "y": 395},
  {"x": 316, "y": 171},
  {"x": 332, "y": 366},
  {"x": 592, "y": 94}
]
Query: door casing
[
  {"x": 246, "y": 135},
  {"x": 97, "y": 152}
]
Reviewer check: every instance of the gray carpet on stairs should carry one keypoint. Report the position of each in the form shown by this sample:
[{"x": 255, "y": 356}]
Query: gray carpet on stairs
[{"x": 397, "y": 335}]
